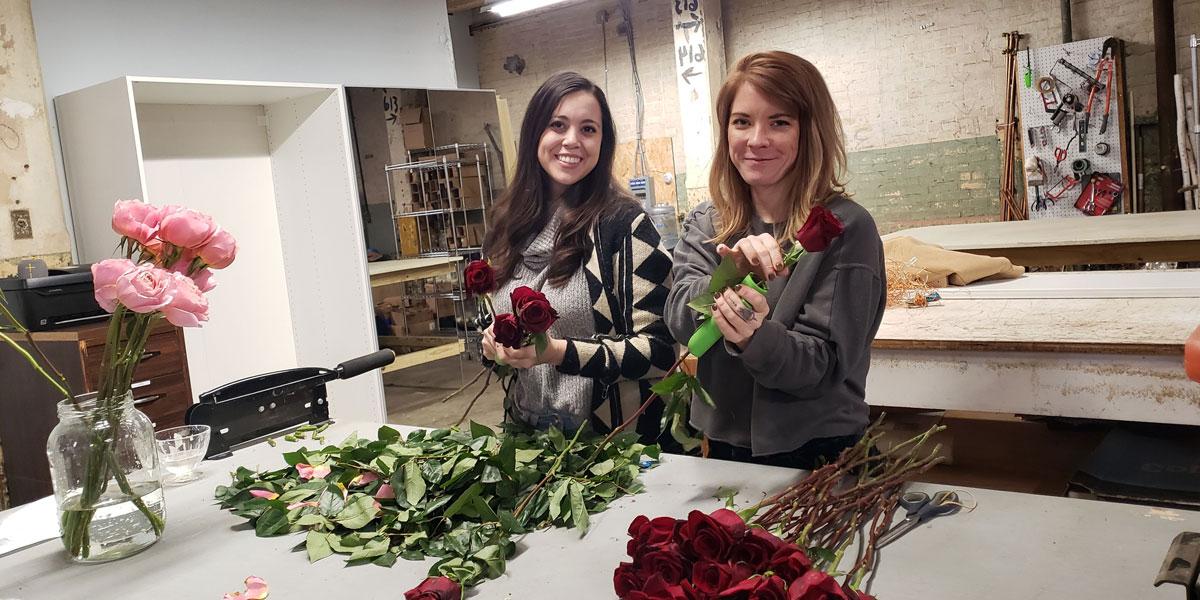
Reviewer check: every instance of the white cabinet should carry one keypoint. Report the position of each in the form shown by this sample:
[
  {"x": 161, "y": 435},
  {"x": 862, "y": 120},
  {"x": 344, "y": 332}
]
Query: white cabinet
[{"x": 271, "y": 162}]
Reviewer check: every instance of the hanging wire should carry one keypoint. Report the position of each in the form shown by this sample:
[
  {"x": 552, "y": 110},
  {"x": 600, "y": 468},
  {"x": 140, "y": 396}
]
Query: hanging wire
[{"x": 640, "y": 165}]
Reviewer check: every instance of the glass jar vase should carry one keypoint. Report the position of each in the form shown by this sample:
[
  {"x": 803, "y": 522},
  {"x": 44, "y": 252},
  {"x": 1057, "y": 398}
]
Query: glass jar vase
[{"x": 104, "y": 467}]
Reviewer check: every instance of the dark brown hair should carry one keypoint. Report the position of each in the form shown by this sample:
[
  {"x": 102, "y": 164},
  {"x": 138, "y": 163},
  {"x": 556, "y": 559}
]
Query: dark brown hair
[
  {"x": 820, "y": 165},
  {"x": 524, "y": 209}
]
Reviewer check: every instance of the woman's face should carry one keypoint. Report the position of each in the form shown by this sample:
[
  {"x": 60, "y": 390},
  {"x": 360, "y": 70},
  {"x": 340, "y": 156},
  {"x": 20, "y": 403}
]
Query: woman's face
[
  {"x": 570, "y": 145},
  {"x": 764, "y": 137}
]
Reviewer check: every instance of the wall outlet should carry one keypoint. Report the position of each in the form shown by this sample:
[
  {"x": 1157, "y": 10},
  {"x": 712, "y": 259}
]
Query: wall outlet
[{"x": 21, "y": 225}]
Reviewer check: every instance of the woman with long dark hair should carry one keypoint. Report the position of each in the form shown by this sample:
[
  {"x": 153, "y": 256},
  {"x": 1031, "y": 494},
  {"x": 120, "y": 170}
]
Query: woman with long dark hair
[
  {"x": 566, "y": 228},
  {"x": 789, "y": 380}
]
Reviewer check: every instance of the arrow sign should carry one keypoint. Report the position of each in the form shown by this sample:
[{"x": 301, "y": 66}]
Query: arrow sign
[
  {"x": 686, "y": 25},
  {"x": 689, "y": 72}
]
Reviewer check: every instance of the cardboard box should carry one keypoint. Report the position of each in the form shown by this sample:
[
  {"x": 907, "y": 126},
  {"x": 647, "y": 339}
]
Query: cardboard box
[{"x": 415, "y": 124}]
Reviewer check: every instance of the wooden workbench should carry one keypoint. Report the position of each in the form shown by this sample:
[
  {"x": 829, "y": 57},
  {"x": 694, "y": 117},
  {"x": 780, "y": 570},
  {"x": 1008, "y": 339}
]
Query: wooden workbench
[
  {"x": 1055, "y": 344},
  {"x": 1109, "y": 239},
  {"x": 389, "y": 272}
]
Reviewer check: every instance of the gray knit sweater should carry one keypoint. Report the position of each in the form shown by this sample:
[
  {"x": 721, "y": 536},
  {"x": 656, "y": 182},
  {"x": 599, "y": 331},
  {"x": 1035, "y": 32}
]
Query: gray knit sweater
[{"x": 803, "y": 373}]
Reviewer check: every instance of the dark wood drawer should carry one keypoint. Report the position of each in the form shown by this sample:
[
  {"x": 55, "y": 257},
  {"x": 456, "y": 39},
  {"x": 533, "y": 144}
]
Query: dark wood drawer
[
  {"x": 163, "y": 355},
  {"x": 165, "y": 399}
]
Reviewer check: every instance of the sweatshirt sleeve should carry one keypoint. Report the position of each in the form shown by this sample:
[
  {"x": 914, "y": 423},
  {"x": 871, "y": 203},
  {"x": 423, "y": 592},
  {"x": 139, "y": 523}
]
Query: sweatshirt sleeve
[
  {"x": 695, "y": 260},
  {"x": 832, "y": 334}
]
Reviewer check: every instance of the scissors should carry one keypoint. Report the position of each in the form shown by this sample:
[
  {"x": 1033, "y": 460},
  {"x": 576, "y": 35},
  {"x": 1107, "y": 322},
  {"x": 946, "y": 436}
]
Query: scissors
[{"x": 921, "y": 508}]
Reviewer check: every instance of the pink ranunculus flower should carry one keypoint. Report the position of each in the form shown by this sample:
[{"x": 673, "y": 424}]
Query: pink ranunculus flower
[
  {"x": 204, "y": 280},
  {"x": 105, "y": 275},
  {"x": 268, "y": 494},
  {"x": 146, "y": 289},
  {"x": 136, "y": 220},
  {"x": 189, "y": 307},
  {"x": 219, "y": 251},
  {"x": 307, "y": 471},
  {"x": 186, "y": 228}
]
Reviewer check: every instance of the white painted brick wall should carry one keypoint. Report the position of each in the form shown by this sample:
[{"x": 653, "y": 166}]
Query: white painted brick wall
[
  {"x": 569, "y": 38},
  {"x": 902, "y": 72}
]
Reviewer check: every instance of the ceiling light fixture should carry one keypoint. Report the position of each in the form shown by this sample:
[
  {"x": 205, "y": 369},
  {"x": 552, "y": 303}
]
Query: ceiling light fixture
[{"x": 509, "y": 8}]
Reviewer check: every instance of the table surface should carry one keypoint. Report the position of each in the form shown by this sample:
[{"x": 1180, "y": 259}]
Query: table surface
[
  {"x": 1174, "y": 226},
  {"x": 1012, "y": 545},
  {"x": 1134, "y": 312}
]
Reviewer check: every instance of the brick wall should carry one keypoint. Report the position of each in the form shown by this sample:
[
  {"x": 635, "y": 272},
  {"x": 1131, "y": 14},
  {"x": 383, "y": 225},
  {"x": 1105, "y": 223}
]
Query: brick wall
[{"x": 919, "y": 83}]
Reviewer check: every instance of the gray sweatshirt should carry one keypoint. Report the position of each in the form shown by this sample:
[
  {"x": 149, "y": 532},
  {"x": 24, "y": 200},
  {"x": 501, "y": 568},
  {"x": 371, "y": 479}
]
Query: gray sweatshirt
[{"x": 803, "y": 374}]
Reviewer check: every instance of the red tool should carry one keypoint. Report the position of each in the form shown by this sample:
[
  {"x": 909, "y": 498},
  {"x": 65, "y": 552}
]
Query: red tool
[
  {"x": 1191, "y": 356},
  {"x": 1098, "y": 196}
]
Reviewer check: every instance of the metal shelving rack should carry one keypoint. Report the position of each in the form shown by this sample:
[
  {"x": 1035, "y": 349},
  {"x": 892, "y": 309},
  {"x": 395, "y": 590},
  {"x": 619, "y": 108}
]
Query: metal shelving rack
[{"x": 444, "y": 204}]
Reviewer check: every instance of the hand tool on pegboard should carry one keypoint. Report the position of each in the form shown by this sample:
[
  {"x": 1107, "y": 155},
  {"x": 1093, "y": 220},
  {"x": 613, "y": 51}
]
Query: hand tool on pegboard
[
  {"x": 1098, "y": 196},
  {"x": 1091, "y": 82},
  {"x": 1103, "y": 73},
  {"x": 1107, "y": 62}
]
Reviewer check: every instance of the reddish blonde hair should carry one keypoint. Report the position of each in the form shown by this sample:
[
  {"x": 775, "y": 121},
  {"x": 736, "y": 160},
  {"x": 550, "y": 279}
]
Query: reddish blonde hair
[{"x": 820, "y": 166}]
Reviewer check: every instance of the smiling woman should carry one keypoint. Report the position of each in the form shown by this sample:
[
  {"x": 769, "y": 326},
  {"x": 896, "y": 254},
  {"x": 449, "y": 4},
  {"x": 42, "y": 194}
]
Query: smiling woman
[
  {"x": 567, "y": 229},
  {"x": 788, "y": 383}
]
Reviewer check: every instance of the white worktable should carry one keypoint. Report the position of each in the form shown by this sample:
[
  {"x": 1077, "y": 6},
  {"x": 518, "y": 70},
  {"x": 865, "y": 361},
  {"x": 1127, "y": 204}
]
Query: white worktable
[
  {"x": 1108, "y": 239},
  {"x": 1103, "y": 344},
  {"x": 1012, "y": 546}
]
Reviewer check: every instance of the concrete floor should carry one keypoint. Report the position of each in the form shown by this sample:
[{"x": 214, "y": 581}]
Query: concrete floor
[{"x": 414, "y": 395}]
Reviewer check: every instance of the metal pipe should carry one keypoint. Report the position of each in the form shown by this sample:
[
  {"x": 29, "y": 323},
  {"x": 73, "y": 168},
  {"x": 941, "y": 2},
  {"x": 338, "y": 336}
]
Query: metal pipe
[
  {"x": 1194, "y": 42},
  {"x": 1164, "y": 74},
  {"x": 1064, "y": 9}
]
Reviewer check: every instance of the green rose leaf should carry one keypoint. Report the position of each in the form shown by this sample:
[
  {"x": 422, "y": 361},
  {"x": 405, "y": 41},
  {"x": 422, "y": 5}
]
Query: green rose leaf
[{"x": 317, "y": 545}]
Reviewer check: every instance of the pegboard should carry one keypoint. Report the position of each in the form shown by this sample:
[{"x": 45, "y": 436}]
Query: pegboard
[{"x": 1040, "y": 137}]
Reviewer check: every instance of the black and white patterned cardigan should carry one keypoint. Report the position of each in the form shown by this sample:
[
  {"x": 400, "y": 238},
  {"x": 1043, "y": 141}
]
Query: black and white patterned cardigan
[{"x": 628, "y": 276}]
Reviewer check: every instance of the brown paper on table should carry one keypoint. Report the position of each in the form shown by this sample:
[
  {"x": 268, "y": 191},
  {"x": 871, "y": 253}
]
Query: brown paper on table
[{"x": 951, "y": 267}]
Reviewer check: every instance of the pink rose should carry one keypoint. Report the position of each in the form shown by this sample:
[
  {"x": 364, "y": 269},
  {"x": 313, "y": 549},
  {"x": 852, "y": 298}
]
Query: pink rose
[
  {"x": 136, "y": 220},
  {"x": 146, "y": 289},
  {"x": 219, "y": 251},
  {"x": 204, "y": 280},
  {"x": 189, "y": 308},
  {"x": 105, "y": 275},
  {"x": 186, "y": 228}
]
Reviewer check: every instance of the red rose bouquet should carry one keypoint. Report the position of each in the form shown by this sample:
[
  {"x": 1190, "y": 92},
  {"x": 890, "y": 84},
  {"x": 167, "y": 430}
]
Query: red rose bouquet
[
  {"x": 718, "y": 556},
  {"x": 527, "y": 324}
]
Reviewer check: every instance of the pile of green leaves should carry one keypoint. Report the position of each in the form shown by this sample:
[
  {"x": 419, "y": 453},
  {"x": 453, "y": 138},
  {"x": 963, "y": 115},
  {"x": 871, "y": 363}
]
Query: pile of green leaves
[{"x": 459, "y": 495}]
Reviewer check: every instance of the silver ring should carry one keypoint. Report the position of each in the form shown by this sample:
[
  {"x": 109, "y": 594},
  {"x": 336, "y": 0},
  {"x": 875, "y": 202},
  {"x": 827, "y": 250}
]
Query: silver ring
[{"x": 745, "y": 313}]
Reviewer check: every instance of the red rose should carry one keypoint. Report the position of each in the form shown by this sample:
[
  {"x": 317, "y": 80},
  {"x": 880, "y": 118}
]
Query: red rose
[
  {"x": 649, "y": 534},
  {"x": 705, "y": 537},
  {"x": 816, "y": 585},
  {"x": 479, "y": 278},
  {"x": 854, "y": 594},
  {"x": 435, "y": 588},
  {"x": 508, "y": 331},
  {"x": 533, "y": 310},
  {"x": 757, "y": 588},
  {"x": 626, "y": 578},
  {"x": 668, "y": 562},
  {"x": 711, "y": 577},
  {"x": 657, "y": 588},
  {"x": 755, "y": 549},
  {"x": 789, "y": 562},
  {"x": 731, "y": 521},
  {"x": 522, "y": 295},
  {"x": 819, "y": 229}
]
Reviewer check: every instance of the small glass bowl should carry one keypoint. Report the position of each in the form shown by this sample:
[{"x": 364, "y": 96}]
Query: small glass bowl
[{"x": 180, "y": 450}]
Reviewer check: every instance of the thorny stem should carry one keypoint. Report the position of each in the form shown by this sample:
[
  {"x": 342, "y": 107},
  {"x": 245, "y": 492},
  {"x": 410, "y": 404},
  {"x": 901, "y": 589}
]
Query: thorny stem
[
  {"x": 549, "y": 474},
  {"x": 637, "y": 413}
]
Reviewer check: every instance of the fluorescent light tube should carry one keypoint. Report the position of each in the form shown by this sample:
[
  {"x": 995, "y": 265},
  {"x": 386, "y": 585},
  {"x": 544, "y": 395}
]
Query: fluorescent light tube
[{"x": 509, "y": 8}]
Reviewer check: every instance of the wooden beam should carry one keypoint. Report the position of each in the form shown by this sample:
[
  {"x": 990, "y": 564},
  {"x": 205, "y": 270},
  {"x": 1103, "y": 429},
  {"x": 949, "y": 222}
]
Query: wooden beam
[
  {"x": 412, "y": 359},
  {"x": 699, "y": 57}
]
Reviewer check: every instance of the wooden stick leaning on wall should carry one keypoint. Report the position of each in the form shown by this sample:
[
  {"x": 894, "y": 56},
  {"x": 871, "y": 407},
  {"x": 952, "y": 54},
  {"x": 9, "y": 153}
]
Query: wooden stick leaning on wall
[{"x": 1011, "y": 208}]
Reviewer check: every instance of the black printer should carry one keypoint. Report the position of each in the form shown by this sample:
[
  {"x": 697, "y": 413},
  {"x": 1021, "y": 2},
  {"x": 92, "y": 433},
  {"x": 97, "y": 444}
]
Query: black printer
[{"x": 63, "y": 297}]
